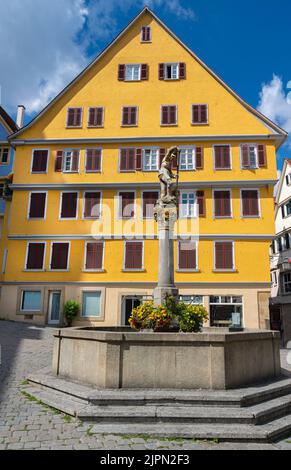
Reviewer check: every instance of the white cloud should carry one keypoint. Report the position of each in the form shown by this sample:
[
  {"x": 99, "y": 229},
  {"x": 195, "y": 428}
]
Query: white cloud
[
  {"x": 44, "y": 43},
  {"x": 275, "y": 103}
]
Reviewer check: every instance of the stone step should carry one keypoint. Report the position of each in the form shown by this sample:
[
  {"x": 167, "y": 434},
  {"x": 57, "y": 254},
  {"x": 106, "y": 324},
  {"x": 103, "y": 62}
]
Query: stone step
[{"x": 56, "y": 400}]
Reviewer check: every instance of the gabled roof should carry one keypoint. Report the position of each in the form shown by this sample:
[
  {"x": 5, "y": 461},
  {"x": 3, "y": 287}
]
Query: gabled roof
[
  {"x": 278, "y": 131},
  {"x": 8, "y": 120}
]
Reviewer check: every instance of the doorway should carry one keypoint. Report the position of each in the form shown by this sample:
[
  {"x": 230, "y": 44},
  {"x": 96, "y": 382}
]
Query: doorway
[
  {"x": 54, "y": 307},
  {"x": 127, "y": 304}
]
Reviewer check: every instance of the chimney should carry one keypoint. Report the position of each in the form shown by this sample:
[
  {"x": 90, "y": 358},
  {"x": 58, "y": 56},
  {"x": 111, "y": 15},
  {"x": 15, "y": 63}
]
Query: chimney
[{"x": 20, "y": 116}]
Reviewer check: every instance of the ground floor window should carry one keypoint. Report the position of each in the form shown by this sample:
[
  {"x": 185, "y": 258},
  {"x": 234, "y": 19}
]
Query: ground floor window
[
  {"x": 226, "y": 310},
  {"x": 287, "y": 282},
  {"x": 91, "y": 305},
  {"x": 31, "y": 301},
  {"x": 192, "y": 299}
]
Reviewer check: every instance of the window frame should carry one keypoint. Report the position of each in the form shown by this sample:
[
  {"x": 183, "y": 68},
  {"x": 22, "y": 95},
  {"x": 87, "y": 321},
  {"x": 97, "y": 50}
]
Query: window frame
[
  {"x": 213, "y": 204},
  {"x": 227, "y": 270},
  {"x": 81, "y": 120},
  {"x": 137, "y": 116},
  {"x": 124, "y": 269},
  {"x": 47, "y": 162},
  {"x": 89, "y": 291},
  {"x": 142, "y": 200},
  {"x": 8, "y": 155},
  {"x": 90, "y": 126},
  {"x": 61, "y": 204},
  {"x": 29, "y": 205},
  {"x": 29, "y": 312},
  {"x": 119, "y": 202},
  {"x": 144, "y": 149},
  {"x": 187, "y": 147},
  {"x": 288, "y": 282},
  {"x": 85, "y": 160},
  {"x": 230, "y": 157},
  {"x": 68, "y": 258},
  {"x": 161, "y": 115},
  {"x": 70, "y": 171},
  {"x": 199, "y": 123},
  {"x": 85, "y": 257},
  {"x": 167, "y": 64},
  {"x": 141, "y": 35},
  {"x": 83, "y": 205},
  {"x": 139, "y": 72},
  {"x": 184, "y": 270},
  {"x": 257, "y": 156},
  {"x": 188, "y": 192},
  {"x": 259, "y": 204},
  {"x": 27, "y": 252}
]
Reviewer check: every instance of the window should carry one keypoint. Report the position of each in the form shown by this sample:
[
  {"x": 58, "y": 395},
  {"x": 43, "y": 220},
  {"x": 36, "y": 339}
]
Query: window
[
  {"x": 149, "y": 199},
  {"x": 31, "y": 301},
  {"x": 4, "y": 155},
  {"x": 222, "y": 203},
  {"x": 133, "y": 256},
  {"x": 94, "y": 256},
  {"x": 224, "y": 255},
  {"x": 132, "y": 72},
  {"x": 74, "y": 117},
  {"x": 93, "y": 160},
  {"x": 187, "y": 158},
  {"x": 222, "y": 159},
  {"x": 146, "y": 35},
  {"x": 187, "y": 259},
  {"x": 71, "y": 161},
  {"x": 172, "y": 71},
  {"x": 287, "y": 283},
  {"x": 286, "y": 209},
  {"x": 253, "y": 156},
  {"x": 288, "y": 179},
  {"x": 150, "y": 159},
  {"x": 192, "y": 299},
  {"x": 39, "y": 161},
  {"x": 129, "y": 116},
  {"x": 37, "y": 206},
  {"x": 91, "y": 304},
  {"x": 69, "y": 205},
  {"x": 127, "y": 159},
  {"x": 199, "y": 114},
  {"x": 279, "y": 244},
  {"x": 92, "y": 205},
  {"x": 275, "y": 278},
  {"x": 126, "y": 205},
  {"x": 59, "y": 256},
  {"x": 35, "y": 256},
  {"x": 287, "y": 241},
  {"x": 96, "y": 117},
  {"x": 168, "y": 115},
  {"x": 226, "y": 311},
  {"x": 187, "y": 204},
  {"x": 250, "y": 203}
]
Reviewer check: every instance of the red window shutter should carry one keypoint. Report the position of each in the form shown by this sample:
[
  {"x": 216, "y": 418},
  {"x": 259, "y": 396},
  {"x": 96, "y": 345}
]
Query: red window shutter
[
  {"x": 172, "y": 114},
  {"x": 226, "y": 156},
  {"x": 201, "y": 203},
  {"x": 222, "y": 204},
  {"x": 149, "y": 200},
  {"x": 218, "y": 157},
  {"x": 89, "y": 160},
  {"x": 59, "y": 160},
  {"x": 187, "y": 255},
  {"x": 199, "y": 158},
  {"x": 161, "y": 71},
  {"x": 138, "y": 159},
  {"x": 93, "y": 160},
  {"x": 133, "y": 255},
  {"x": 69, "y": 205},
  {"x": 35, "y": 256},
  {"x": 144, "y": 72},
  {"x": 127, "y": 205},
  {"x": 223, "y": 255},
  {"x": 195, "y": 114},
  {"x": 74, "y": 117},
  {"x": 92, "y": 205},
  {"x": 94, "y": 255},
  {"x": 145, "y": 33},
  {"x": 162, "y": 155},
  {"x": 121, "y": 72},
  {"x": 245, "y": 155},
  {"x": 95, "y": 117},
  {"x": 60, "y": 253},
  {"x": 262, "y": 156},
  {"x": 71, "y": 117},
  {"x": 39, "y": 161},
  {"x": 37, "y": 205},
  {"x": 182, "y": 71},
  {"x": 75, "y": 161},
  {"x": 125, "y": 116},
  {"x": 122, "y": 160},
  {"x": 78, "y": 116},
  {"x": 165, "y": 115},
  {"x": 250, "y": 203},
  {"x": 222, "y": 157},
  {"x": 133, "y": 116},
  {"x": 204, "y": 114},
  {"x": 91, "y": 120}
]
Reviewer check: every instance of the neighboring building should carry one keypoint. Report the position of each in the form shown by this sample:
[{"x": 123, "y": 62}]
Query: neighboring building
[
  {"x": 280, "y": 302},
  {"x": 87, "y": 164}
]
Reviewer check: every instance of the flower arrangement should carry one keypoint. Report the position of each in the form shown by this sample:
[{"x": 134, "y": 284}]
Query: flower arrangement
[{"x": 189, "y": 318}]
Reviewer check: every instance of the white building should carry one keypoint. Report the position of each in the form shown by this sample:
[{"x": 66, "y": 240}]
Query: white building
[{"x": 280, "y": 302}]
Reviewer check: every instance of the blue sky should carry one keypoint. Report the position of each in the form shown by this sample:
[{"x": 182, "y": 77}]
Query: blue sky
[{"x": 246, "y": 43}]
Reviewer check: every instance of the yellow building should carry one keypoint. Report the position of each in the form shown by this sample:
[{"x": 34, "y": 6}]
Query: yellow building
[{"x": 85, "y": 181}]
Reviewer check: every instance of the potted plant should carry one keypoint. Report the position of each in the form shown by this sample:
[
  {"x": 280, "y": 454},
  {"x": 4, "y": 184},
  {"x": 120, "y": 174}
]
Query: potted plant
[{"x": 71, "y": 310}]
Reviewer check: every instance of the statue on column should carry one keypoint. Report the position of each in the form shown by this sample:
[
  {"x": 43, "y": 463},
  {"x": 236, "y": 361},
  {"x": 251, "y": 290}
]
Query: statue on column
[{"x": 169, "y": 182}]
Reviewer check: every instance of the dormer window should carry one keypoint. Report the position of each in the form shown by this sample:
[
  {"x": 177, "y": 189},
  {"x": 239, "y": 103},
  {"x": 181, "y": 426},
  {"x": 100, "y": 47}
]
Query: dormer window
[{"x": 146, "y": 34}]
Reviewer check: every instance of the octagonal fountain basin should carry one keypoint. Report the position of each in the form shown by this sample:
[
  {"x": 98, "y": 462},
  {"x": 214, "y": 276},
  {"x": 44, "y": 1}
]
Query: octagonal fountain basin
[{"x": 118, "y": 357}]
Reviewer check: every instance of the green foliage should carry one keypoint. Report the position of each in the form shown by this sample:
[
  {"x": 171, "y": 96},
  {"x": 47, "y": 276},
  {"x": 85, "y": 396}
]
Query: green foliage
[
  {"x": 146, "y": 316},
  {"x": 71, "y": 310},
  {"x": 191, "y": 317}
]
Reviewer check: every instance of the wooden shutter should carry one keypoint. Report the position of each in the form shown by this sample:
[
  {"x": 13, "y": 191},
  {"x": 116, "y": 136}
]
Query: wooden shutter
[
  {"x": 149, "y": 199},
  {"x": 144, "y": 72},
  {"x": 69, "y": 205},
  {"x": 223, "y": 255},
  {"x": 165, "y": 115},
  {"x": 187, "y": 255},
  {"x": 126, "y": 116},
  {"x": 195, "y": 114},
  {"x": 121, "y": 72},
  {"x": 37, "y": 205},
  {"x": 172, "y": 115},
  {"x": 127, "y": 205},
  {"x": 93, "y": 160},
  {"x": 222, "y": 156},
  {"x": 70, "y": 117},
  {"x": 222, "y": 204},
  {"x": 138, "y": 159},
  {"x": 262, "y": 158},
  {"x": 59, "y": 160},
  {"x": 35, "y": 256},
  {"x": 39, "y": 162},
  {"x": 226, "y": 156},
  {"x": 182, "y": 71},
  {"x": 122, "y": 160},
  {"x": 92, "y": 205},
  {"x": 250, "y": 203},
  {"x": 161, "y": 71},
  {"x": 133, "y": 116},
  {"x": 162, "y": 155},
  {"x": 74, "y": 117},
  {"x": 95, "y": 117},
  {"x": 133, "y": 255},
  {"x": 245, "y": 155},
  {"x": 60, "y": 252},
  {"x": 75, "y": 161},
  {"x": 94, "y": 255},
  {"x": 201, "y": 203},
  {"x": 145, "y": 33},
  {"x": 199, "y": 158},
  {"x": 203, "y": 113}
]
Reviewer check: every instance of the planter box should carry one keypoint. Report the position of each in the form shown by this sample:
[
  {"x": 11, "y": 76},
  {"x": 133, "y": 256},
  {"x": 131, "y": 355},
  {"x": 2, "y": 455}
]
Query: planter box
[{"x": 121, "y": 358}]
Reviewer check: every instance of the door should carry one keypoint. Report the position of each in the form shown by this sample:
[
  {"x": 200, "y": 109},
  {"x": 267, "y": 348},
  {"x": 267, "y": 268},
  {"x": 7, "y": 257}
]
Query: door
[
  {"x": 54, "y": 308},
  {"x": 128, "y": 304}
]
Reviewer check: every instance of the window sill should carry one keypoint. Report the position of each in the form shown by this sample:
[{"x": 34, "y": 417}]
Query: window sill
[
  {"x": 33, "y": 270},
  {"x": 93, "y": 271},
  {"x": 250, "y": 216},
  {"x": 28, "y": 312},
  {"x": 127, "y": 171},
  {"x": 169, "y": 125},
  {"x": 38, "y": 172},
  {"x": 74, "y": 127},
  {"x": 58, "y": 270},
  {"x": 70, "y": 172},
  {"x": 95, "y": 127},
  {"x": 129, "y": 125},
  {"x": 222, "y": 169},
  {"x": 199, "y": 123},
  {"x": 91, "y": 218},
  {"x": 224, "y": 270},
  {"x": 35, "y": 218},
  {"x": 92, "y": 171},
  {"x": 188, "y": 271},
  {"x": 223, "y": 217},
  {"x": 133, "y": 270}
]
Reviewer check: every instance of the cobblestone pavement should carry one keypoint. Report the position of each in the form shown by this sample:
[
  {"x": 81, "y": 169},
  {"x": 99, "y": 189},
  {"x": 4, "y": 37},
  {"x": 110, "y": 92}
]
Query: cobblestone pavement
[{"x": 25, "y": 424}]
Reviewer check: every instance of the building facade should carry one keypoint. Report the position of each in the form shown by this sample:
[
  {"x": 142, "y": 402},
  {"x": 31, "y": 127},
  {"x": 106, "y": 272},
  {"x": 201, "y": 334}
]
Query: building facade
[
  {"x": 280, "y": 302},
  {"x": 81, "y": 220}
]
